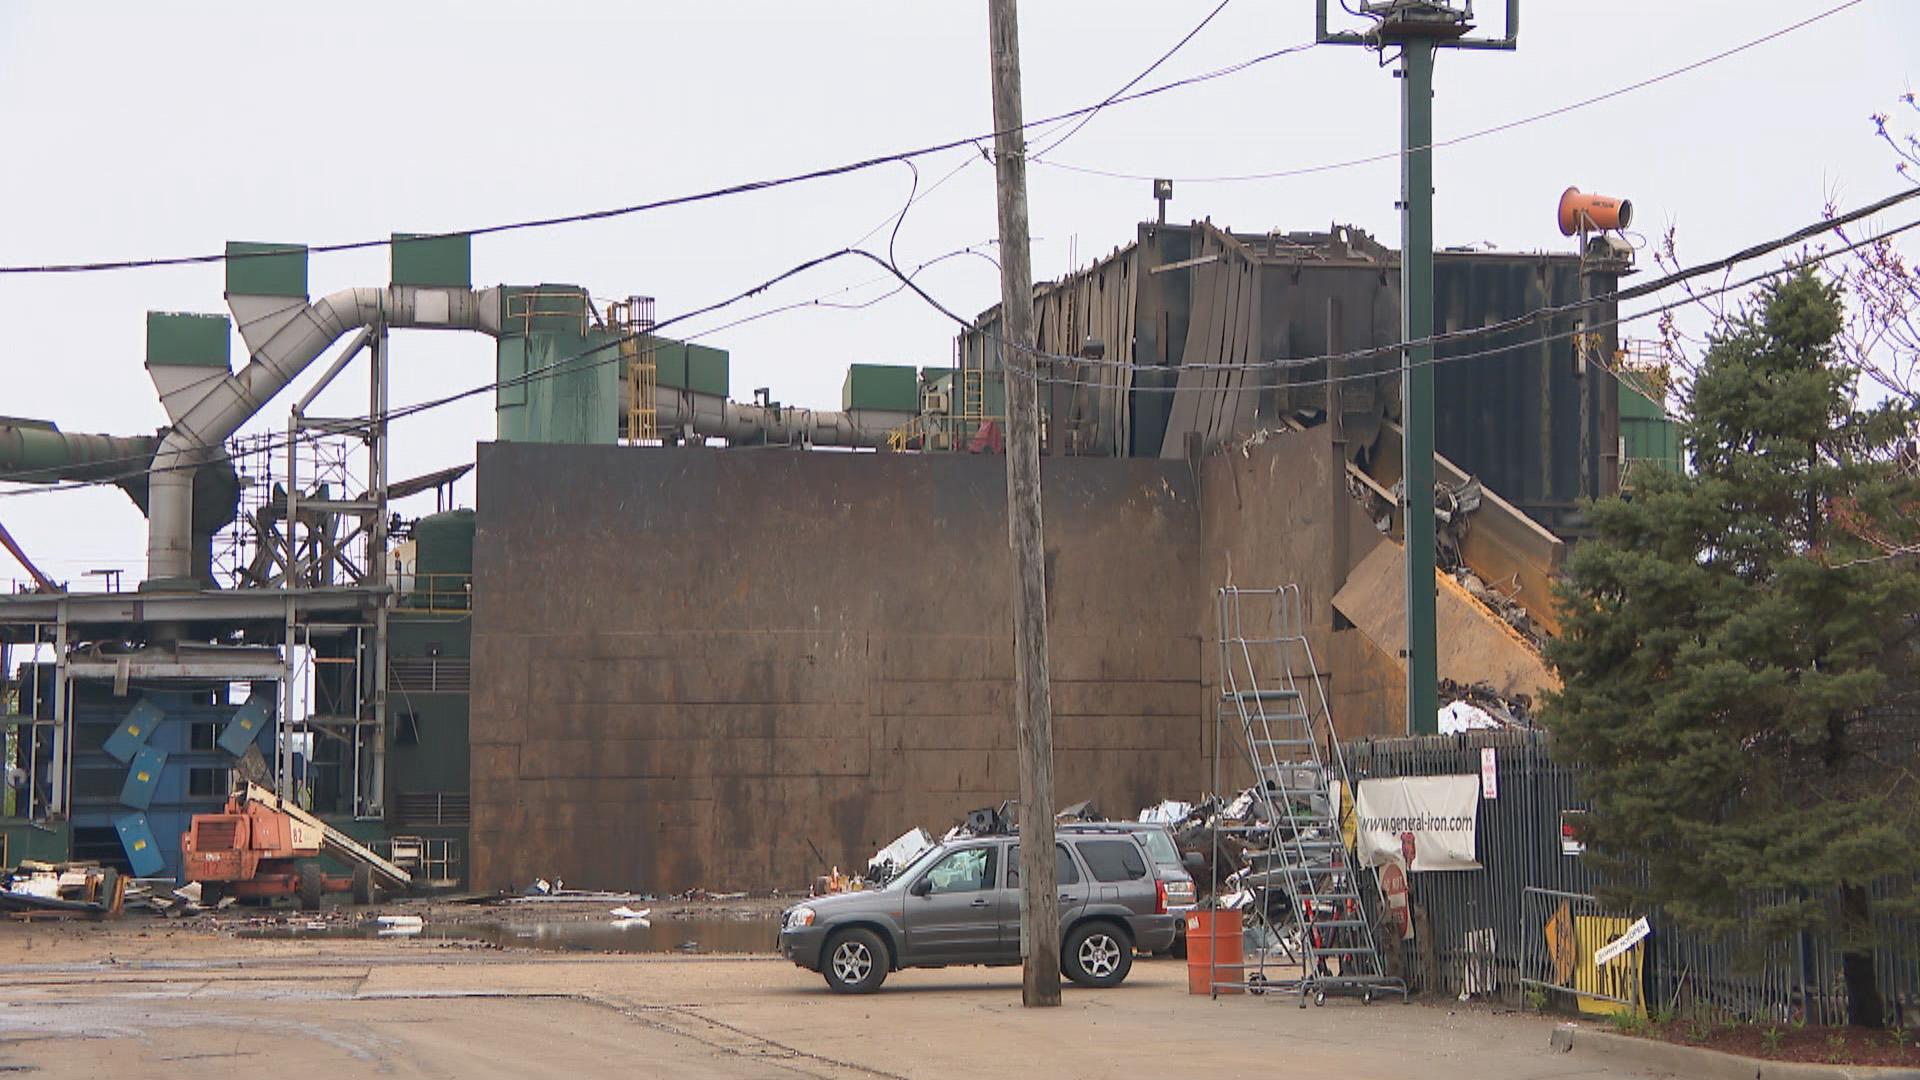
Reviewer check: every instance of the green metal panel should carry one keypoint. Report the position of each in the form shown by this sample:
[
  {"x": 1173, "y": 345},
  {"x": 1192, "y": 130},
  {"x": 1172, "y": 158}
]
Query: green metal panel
[
  {"x": 1416, "y": 382},
  {"x": 183, "y": 339},
  {"x": 526, "y": 309},
  {"x": 443, "y": 543},
  {"x": 881, "y": 387},
  {"x": 266, "y": 269},
  {"x": 437, "y": 261},
  {"x": 682, "y": 366},
  {"x": 434, "y": 754},
  {"x": 569, "y": 383},
  {"x": 511, "y": 356},
  {"x": 1646, "y": 432},
  {"x": 52, "y": 842}
]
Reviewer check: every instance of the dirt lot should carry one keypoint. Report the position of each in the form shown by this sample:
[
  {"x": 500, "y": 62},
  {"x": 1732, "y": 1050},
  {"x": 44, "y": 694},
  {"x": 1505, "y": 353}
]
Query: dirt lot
[{"x": 149, "y": 997}]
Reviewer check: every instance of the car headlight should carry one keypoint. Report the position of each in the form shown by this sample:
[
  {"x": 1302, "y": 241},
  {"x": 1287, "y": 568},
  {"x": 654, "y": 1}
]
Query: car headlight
[{"x": 799, "y": 918}]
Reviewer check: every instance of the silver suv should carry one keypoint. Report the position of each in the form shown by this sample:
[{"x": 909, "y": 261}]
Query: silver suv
[
  {"x": 1173, "y": 871},
  {"x": 959, "y": 903}
]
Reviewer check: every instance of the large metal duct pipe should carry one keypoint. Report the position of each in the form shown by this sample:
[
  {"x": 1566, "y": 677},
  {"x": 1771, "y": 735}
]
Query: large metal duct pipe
[
  {"x": 717, "y": 417},
  {"x": 231, "y": 400},
  {"x": 38, "y": 452}
]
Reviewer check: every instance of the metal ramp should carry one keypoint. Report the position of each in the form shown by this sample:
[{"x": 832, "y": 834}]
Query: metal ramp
[
  {"x": 334, "y": 842},
  {"x": 1304, "y": 890}
]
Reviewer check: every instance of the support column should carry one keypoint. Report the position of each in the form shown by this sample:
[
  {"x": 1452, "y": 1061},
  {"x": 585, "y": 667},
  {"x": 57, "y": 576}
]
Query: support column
[
  {"x": 1416, "y": 380},
  {"x": 377, "y": 572}
]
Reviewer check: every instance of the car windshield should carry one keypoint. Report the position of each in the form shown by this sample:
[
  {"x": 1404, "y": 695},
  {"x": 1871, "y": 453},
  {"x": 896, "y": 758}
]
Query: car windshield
[
  {"x": 900, "y": 876},
  {"x": 1160, "y": 846}
]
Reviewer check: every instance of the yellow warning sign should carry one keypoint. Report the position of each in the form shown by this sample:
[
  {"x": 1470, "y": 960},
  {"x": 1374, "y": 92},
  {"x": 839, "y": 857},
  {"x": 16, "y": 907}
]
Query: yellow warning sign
[
  {"x": 1560, "y": 944},
  {"x": 1617, "y": 978}
]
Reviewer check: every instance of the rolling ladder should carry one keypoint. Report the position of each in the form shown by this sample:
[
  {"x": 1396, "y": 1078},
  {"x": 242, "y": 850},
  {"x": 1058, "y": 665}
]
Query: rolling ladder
[{"x": 1301, "y": 876}]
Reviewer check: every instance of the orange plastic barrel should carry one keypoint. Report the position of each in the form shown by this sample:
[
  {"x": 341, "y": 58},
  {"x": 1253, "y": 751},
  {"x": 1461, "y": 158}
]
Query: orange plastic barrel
[{"x": 1216, "y": 953}]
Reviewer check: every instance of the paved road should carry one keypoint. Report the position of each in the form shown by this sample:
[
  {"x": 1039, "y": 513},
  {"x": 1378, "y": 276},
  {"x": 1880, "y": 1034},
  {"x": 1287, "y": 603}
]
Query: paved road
[{"x": 216, "y": 1007}]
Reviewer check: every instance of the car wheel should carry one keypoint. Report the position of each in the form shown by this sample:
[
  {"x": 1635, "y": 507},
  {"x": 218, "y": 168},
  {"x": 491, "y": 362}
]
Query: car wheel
[
  {"x": 855, "y": 962},
  {"x": 1097, "y": 954},
  {"x": 1178, "y": 950}
]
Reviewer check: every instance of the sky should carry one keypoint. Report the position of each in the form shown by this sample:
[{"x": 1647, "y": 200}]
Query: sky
[{"x": 140, "y": 130}]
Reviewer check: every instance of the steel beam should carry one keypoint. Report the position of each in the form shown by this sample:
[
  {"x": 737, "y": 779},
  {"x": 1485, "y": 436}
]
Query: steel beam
[{"x": 1416, "y": 379}]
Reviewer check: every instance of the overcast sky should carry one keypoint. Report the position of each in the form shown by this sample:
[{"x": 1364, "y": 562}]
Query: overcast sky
[{"x": 138, "y": 129}]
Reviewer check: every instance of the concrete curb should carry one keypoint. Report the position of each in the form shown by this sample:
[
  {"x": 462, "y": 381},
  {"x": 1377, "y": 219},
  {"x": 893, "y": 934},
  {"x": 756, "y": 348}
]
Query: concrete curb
[{"x": 1696, "y": 1061}]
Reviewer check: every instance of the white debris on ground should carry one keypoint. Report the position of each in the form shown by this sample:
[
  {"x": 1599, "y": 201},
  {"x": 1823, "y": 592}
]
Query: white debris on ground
[{"x": 1463, "y": 716}]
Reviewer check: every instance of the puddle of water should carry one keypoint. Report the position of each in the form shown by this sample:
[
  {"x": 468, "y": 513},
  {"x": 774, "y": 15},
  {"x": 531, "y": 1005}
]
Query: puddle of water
[{"x": 689, "y": 936}]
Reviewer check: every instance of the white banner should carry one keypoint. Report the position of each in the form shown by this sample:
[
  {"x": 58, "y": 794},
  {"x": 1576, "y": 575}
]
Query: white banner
[
  {"x": 1419, "y": 822},
  {"x": 1635, "y": 935}
]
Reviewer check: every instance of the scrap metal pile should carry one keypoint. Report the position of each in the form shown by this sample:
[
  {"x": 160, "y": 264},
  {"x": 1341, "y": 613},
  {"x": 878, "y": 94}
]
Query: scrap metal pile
[
  {"x": 1479, "y": 708},
  {"x": 40, "y": 889},
  {"x": 1240, "y": 842}
]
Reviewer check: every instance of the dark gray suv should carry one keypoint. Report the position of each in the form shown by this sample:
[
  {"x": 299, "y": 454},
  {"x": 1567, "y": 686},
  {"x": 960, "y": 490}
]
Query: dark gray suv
[{"x": 959, "y": 903}]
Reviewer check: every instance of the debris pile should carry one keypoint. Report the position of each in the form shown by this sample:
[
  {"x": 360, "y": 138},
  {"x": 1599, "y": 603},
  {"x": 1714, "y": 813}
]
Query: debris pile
[
  {"x": 159, "y": 896},
  {"x": 1507, "y": 607},
  {"x": 62, "y": 890},
  {"x": 1479, "y": 708},
  {"x": 890, "y": 860}
]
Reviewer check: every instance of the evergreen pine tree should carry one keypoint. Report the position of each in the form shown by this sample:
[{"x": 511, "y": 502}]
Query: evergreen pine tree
[{"x": 1739, "y": 649}]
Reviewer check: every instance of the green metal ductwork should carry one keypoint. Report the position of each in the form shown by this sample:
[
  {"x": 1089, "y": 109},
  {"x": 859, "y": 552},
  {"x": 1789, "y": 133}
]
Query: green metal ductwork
[{"x": 38, "y": 452}]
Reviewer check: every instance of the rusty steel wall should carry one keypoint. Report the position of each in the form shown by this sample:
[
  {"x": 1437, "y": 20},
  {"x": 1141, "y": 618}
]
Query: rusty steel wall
[
  {"x": 1279, "y": 513},
  {"x": 695, "y": 667}
]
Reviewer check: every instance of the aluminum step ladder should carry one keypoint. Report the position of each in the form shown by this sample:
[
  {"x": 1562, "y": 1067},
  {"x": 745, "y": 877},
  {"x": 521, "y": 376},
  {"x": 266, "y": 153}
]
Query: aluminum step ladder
[{"x": 1303, "y": 884}]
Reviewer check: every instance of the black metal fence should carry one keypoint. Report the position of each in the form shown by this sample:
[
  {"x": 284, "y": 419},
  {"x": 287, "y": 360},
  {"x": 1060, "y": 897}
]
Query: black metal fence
[{"x": 1487, "y": 931}]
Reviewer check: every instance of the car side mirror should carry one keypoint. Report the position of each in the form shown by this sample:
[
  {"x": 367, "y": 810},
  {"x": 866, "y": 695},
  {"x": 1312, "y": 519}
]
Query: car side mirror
[
  {"x": 922, "y": 887},
  {"x": 1193, "y": 860}
]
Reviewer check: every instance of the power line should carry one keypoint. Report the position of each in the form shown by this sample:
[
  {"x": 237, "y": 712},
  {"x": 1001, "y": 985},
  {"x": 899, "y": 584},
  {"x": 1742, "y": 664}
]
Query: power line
[
  {"x": 907, "y": 282},
  {"x": 1529, "y": 343},
  {"x": 605, "y": 214},
  {"x": 1372, "y": 159},
  {"x": 1035, "y": 155},
  {"x": 1746, "y": 254},
  {"x": 550, "y": 370}
]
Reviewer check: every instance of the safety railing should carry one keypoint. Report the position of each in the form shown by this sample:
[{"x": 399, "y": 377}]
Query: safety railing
[{"x": 447, "y": 593}]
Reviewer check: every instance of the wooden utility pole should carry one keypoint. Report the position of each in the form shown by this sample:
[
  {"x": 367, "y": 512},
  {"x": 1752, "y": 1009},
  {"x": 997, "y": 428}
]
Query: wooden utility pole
[{"x": 1033, "y": 692}]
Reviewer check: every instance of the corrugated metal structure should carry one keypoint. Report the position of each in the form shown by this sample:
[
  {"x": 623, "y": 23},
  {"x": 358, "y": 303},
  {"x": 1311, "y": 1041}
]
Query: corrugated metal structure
[{"x": 1214, "y": 331}]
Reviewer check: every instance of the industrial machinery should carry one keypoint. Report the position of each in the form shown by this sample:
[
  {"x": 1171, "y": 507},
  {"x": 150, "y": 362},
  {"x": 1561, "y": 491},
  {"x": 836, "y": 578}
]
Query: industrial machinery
[{"x": 263, "y": 846}]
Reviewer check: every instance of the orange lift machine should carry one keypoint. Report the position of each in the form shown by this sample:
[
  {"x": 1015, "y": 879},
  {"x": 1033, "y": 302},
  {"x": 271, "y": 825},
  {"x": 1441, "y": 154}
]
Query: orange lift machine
[{"x": 262, "y": 846}]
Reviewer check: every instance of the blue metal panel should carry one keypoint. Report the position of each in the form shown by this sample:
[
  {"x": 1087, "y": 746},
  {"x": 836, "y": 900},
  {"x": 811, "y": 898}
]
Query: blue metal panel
[
  {"x": 132, "y": 733},
  {"x": 143, "y": 852},
  {"x": 143, "y": 779},
  {"x": 246, "y": 726},
  {"x": 99, "y": 778}
]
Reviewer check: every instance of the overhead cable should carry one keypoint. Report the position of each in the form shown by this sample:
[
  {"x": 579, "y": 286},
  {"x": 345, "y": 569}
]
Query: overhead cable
[
  {"x": 608, "y": 213},
  {"x": 1394, "y": 155}
]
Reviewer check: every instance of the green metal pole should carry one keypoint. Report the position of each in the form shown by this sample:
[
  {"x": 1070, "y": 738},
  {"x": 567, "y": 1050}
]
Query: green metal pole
[{"x": 1416, "y": 378}]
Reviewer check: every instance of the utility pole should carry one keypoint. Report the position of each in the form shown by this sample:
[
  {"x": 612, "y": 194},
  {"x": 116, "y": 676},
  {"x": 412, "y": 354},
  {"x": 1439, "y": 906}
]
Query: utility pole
[
  {"x": 1417, "y": 28},
  {"x": 1033, "y": 691}
]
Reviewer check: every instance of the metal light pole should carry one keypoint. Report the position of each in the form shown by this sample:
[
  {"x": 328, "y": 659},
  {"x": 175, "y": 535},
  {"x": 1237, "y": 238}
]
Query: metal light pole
[{"x": 1417, "y": 28}]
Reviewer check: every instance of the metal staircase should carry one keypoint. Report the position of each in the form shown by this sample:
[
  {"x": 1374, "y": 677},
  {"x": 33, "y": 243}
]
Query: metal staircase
[{"x": 1300, "y": 876}]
